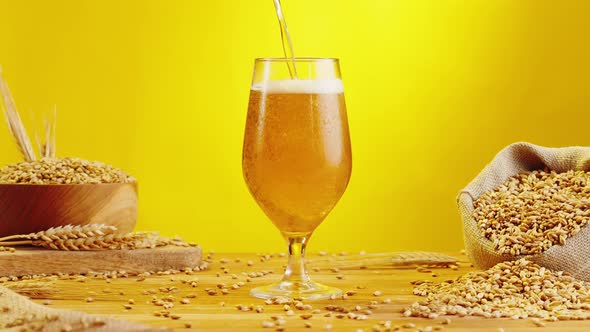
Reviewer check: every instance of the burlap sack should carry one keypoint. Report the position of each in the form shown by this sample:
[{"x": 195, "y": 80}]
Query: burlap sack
[{"x": 574, "y": 256}]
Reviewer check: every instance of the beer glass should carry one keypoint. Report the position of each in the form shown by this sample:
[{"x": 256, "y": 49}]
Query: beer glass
[{"x": 296, "y": 157}]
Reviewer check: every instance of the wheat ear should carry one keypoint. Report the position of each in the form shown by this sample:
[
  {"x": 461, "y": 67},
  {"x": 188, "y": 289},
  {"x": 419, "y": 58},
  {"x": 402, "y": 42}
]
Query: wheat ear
[
  {"x": 90, "y": 237},
  {"x": 112, "y": 241},
  {"x": 36, "y": 289},
  {"x": 15, "y": 124},
  {"x": 106, "y": 242},
  {"x": 67, "y": 232}
]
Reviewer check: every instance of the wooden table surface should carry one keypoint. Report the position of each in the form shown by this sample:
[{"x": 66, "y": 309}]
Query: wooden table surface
[{"x": 218, "y": 312}]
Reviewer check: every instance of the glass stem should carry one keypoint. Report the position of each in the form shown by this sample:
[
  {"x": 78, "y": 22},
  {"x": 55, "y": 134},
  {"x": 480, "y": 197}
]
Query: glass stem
[{"x": 296, "y": 272}]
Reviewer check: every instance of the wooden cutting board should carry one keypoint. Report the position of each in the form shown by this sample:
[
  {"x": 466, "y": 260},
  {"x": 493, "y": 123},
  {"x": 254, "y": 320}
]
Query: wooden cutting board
[{"x": 28, "y": 261}]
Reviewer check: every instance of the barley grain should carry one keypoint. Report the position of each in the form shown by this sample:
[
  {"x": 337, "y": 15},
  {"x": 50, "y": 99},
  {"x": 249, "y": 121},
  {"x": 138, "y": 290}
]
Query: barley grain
[
  {"x": 267, "y": 324},
  {"x": 62, "y": 171},
  {"x": 537, "y": 322},
  {"x": 533, "y": 211}
]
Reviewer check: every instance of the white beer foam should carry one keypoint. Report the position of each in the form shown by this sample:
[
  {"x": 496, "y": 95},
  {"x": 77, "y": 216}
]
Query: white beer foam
[{"x": 300, "y": 86}]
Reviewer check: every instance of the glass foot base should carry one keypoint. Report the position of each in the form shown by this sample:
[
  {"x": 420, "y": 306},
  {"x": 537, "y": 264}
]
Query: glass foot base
[{"x": 304, "y": 291}]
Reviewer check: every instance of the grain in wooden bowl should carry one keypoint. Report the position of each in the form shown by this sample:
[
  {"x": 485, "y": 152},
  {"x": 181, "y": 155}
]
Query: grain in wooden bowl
[
  {"x": 45, "y": 191},
  {"x": 50, "y": 192}
]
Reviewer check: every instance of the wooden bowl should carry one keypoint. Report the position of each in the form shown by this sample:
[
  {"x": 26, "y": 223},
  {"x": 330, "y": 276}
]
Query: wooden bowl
[{"x": 28, "y": 208}]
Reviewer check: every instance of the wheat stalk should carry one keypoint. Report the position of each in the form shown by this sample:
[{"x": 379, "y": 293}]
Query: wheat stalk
[
  {"x": 66, "y": 232},
  {"x": 15, "y": 124},
  {"x": 37, "y": 140},
  {"x": 48, "y": 147},
  {"x": 394, "y": 259}
]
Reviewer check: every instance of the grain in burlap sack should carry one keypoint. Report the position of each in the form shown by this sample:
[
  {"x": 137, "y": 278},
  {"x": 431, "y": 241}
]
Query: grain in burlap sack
[{"x": 574, "y": 256}]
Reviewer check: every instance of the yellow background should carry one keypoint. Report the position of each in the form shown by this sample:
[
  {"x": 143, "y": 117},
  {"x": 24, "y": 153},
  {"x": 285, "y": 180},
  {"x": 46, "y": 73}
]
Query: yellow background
[{"x": 434, "y": 89}]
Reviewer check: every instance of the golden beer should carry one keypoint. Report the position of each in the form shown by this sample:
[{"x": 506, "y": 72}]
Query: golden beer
[{"x": 296, "y": 156}]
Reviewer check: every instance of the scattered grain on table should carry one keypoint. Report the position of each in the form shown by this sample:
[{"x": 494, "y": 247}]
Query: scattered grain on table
[{"x": 515, "y": 289}]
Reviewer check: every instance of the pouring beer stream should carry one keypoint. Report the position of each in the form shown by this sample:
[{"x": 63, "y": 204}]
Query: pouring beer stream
[{"x": 288, "y": 50}]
